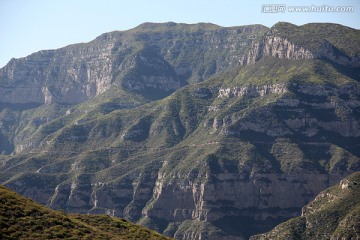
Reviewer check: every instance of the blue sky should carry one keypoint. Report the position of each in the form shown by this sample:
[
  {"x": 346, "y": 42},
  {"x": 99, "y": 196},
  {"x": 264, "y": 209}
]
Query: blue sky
[{"x": 27, "y": 26}]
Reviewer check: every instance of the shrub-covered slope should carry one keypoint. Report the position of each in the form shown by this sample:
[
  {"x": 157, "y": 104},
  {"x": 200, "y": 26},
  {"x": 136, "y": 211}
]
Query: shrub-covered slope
[{"x": 22, "y": 218}]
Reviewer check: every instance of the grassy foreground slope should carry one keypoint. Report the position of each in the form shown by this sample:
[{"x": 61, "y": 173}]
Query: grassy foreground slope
[{"x": 22, "y": 218}]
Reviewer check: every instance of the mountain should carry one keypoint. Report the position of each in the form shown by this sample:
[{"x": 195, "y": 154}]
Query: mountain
[
  {"x": 116, "y": 70},
  {"x": 334, "y": 214},
  {"x": 258, "y": 123},
  {"x": 22, "y": 218}
]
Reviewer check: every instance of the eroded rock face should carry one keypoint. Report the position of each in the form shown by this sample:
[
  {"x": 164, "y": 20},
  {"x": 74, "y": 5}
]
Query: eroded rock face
[
  {"x": 253, "y": 90},
  {"x": 333, "y": 214},
  {"x": 223, "y": 198},
  {"x": 66, "y": 76},
  {"x": 142, "y": 59},
  {"x": 330, "y": 52},
  {"x": 219, "y": 199},
  {"x": 329, "y": 97},
  {"x": 263, "y": 199},
  {"x": 280, "y": 47},
  {"x": 274, "y": 46}
]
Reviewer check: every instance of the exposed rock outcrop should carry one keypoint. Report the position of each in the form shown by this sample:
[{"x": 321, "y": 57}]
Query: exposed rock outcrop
[
  {"x": 255, "y": 198},
  {"x": 329, "y": 51},
  {"x": 69, "y": 76},
  {"x": 275, "y": 43},
  {"x": 274, "y": 46},
  {"x": 253, "y": 90},
  {"x": 344, "y": 123},
  {"x": 333, "y": 214}
]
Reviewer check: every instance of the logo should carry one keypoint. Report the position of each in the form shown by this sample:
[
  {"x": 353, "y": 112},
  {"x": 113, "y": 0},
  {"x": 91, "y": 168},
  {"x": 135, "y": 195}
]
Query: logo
[{"x": 273, "y": 8}]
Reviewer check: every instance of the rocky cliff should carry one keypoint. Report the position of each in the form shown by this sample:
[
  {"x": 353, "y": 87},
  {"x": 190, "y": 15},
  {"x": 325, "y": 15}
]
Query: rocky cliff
[
  {"x": 276, "y": 46},
  {"x": 333, "y": 214},
  {"x": 236, "y": 151},
  {"x": 152, "y": 57},
  {"x": 285, "y": 40},
  {"x": 347, "y": 126},
  {"x": 252, "y": 90}
]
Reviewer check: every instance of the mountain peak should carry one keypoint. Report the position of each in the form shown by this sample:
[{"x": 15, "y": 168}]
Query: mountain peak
[{"x": 152, "y": 26}]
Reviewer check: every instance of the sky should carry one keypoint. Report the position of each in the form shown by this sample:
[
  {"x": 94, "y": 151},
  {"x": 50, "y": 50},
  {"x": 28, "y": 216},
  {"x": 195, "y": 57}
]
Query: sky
[{"x": 28, "y": 26}]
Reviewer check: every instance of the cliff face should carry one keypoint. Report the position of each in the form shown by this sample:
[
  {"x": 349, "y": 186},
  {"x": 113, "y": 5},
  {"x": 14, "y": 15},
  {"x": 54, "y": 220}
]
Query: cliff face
[
  {"x": 252, "y": 91},
  {"x": 345, "y": 124},
  {"x": 239, "y": 207},
  {"x": 288, "y": 41},
  {"x": 148, "y": 58},
  {"x": 225, "y": 158},
  {"x": 280, "y": 47},
  {"x": 274, "y": 46},
  {"x": 67, "y": 76},
  {"x": 333, "y": 214}
]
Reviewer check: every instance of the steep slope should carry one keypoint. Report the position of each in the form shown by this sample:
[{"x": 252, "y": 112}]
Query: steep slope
[
  {"x": 334, "y": 214},
  {"x": 22, "y": 218},
  {"x": 219, "y": 159}
]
